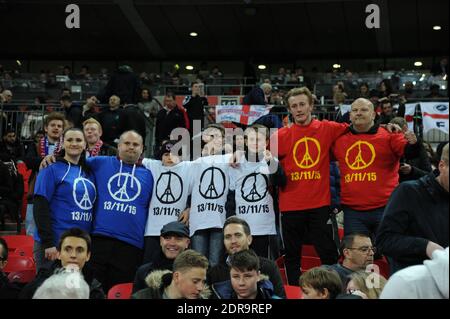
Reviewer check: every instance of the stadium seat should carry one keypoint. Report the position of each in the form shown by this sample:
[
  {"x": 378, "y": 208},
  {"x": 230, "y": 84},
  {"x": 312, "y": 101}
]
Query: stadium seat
[
  {"x": 22, "y": 276},
  {"x": 384, "y": 267},
  {"x": 16, "y": 241},
  {"x": 19, "y": 263},
  {"x": 341, "y": 233},
  {"x": 309, "y": 262},
  {"x": 120, "y": 291},
  {"x": 24, "y": 251},
  {"x": 280, "y": 264},
  {"x": 293, "y": 292}
]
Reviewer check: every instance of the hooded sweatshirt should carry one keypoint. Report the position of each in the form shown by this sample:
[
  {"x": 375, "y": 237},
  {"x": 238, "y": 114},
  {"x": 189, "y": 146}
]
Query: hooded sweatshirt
[
  {"x": 427, "y": 281},
  {"x": 124, "y": 193},
  {"x": 65, "y": 197}
]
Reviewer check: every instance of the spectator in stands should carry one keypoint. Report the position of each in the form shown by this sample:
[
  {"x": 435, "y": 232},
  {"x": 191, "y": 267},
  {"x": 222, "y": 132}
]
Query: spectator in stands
[
  {"x": 237, "y": 237},
  {"x": 213, "y": 140},
  {"x": 90, "y": 109},
  {"x": 258, "y": 95},
  {"x": 66, "y": 186},
  {"x": 195, "y": 105},
  {"x": 95, "y": 147},
  {"x": 168, "y": 118},
  {"x": 49, "y": 144},
  {"x": 320, "y": 283},
  {"x": 415, "y": 220},
  {"x": 434, "y": 92},
  {"x": 367, "y": 285},
  {"x": 187, "y": 281},
  {"x": 173, "y": 241},
  {"x": 8, "y": 290},
  {"x": 370, "y": 150},
  {"x": 6, "y": 97},
  {"x": 84, "y": 73},
  {"x": 341, "y": 116},
  {"x": 385, "y": 88},
  {"x": 415, "y": 168},
  {"x": 246, "y": 280},
  {"x": 357, "y": 252},
  {"x": 303, "y": 150},
  {"x": 11, "y": 146},
  {"x": 57, "y": 287},
  {"x": 387, "y": 111},
  {"x": 441, "y": 68},
  {"x": 364, "y": 91},
  {"x": 73, "y": 112},
  {"x": 150, "y": 106},
  {"x": 125, "y": 84},
  {"x": 409, "y": 90},
  {"x": 216, "y": 73},
  {"x": 73, "y": 252},
  {"x": 132, "y": 118},
  {"x": 109, "y": 119},
  {"x": 67, "y": 71},
  {"x": 427, "y": 281}
]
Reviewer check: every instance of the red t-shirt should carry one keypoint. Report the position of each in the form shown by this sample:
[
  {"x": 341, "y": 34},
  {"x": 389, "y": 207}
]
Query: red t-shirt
[
  {"x": 369, "y": 165},
  {"x": 304, "y": 153}
]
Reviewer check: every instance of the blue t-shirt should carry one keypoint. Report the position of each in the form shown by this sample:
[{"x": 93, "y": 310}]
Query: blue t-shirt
[
  {"x": 124, "y": 193},
  {"x": 71, "y": 195}
]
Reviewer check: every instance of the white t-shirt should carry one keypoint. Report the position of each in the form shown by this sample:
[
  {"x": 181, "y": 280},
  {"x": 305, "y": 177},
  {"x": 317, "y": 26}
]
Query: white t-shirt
[
  {"x": 210, "y": 185},
  {"x": 170, "y": 193},
  {"x": 254, "y": 203}
]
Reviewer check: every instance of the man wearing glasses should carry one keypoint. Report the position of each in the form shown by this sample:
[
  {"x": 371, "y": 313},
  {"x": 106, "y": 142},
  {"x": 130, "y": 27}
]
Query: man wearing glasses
[{"x": 358, "y": 252}]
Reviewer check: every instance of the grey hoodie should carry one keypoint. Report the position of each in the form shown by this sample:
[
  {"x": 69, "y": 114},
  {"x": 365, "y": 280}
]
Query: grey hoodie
[{"x": 427, "y": 281}]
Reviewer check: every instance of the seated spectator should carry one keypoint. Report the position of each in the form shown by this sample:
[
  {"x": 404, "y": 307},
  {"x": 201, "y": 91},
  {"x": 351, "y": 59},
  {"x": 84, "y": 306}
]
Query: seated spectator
[
  {"x": 63, "y": 285},
  {"x": 11, "y": 146},
  {"x": 258, "y": 95},
  {"x": 385, "y": 88},
  {"x": 237, "y": 237},
  {"x": 427, "y": 281},
  {"x": 358, "y": 252},
  {"x": 6, "y": 97},
  {"x": 434, "y": 92},
  {"x": 90, "y": 109},
  {"x": 246, "y": 280},
  {"x": 8, "y": 290},
  {"x": 187, "y": 281},
  {"x": 387, "y": 111},
  {"x": 367, "y": 285},
  {"x": 320, "y": 283},
  {"x": 364, "y": 91},
  {"x": 74, "y": 251},
  {"x": 173, "y": 241}
]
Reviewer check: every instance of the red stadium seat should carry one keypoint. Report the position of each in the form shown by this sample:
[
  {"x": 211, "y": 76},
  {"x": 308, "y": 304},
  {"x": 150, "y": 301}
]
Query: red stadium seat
[
  {"x": 15, "y": 241},
  {"x": 19, "y": 263},
  {"x": 384, "y": 267},
  {"x": 293, "y": 292},
  {"x": 309, "y": 250},
  {"x": 280, "y": 264},
  {"x": 120, "y": 291},
  {"x": 283, "y": 276},
  {"x": 22, "y": 276},
  {"x": 24, "y": 251},
  {"x": 310, "y": 262},
  {"x": 341, "y": 233}
]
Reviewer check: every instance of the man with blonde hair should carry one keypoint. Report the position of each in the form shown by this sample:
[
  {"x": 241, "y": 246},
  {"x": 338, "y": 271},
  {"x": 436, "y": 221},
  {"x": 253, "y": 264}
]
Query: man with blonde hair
[{"x": 93, "y": 132}]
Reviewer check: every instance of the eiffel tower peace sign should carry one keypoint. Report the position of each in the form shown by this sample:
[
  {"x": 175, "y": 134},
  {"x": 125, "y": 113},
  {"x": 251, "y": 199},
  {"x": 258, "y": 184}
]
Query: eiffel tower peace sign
[
  {"x": 212, "y": 183},
  {"x": 81, "y": 186},
  {"x": 360, "y": 155},
  {"x": 309, "y": 147},
  {"x": 169, "y": 188},
  {"x": 124, "y": 187},
  {"x": 249, "y": 189}
]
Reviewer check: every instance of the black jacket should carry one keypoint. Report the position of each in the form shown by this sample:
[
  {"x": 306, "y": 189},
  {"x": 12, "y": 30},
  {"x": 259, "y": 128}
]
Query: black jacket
[
  {"x": 221, "y": 273},
  {"x": 166, "y": 121},
  {"x": 132, "y": 118},
  {"x": 195, "y": 107},
  {"x": 109, "y": 119},
  {"x": 255, "y": 97},
  {"x": 163, "y": 263},
  {"x": 8, "y": 290},
  {"x": 416, "y": 213},
  {"x": 74, "y": 114},
  {"x": 96, "y": 291},
  {"x": 125, "y": 84}
]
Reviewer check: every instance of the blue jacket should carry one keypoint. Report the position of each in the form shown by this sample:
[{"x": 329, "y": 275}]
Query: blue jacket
[
  {"x": 224, "y": 290},
  {"x": 335, "y": 186}
]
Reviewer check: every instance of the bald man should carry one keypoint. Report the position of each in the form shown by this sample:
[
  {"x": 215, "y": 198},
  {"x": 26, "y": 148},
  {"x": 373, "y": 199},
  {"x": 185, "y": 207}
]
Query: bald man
[{"x": 369, "y": 160}]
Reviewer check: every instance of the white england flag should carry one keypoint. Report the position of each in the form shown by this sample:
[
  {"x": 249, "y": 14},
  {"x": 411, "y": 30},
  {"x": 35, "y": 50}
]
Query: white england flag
[
  {"x": 410, "y": 110},
  {"x": 244, "y": 114},
  {"x": 435, "y": 116}
]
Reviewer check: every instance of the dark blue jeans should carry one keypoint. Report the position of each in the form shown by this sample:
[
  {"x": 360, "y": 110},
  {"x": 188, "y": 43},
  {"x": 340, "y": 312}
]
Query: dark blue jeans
[{"x": 365, "y": 222}]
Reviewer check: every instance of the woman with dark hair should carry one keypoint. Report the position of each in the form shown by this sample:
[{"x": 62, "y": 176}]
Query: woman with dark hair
[
  {"x": 64, "y": 197},
  {"x": 385, "y": 88}
]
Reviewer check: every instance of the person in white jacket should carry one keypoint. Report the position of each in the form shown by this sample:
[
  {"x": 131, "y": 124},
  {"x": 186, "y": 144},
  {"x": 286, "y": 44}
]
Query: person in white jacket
[{"x": 427, "y": 281}]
